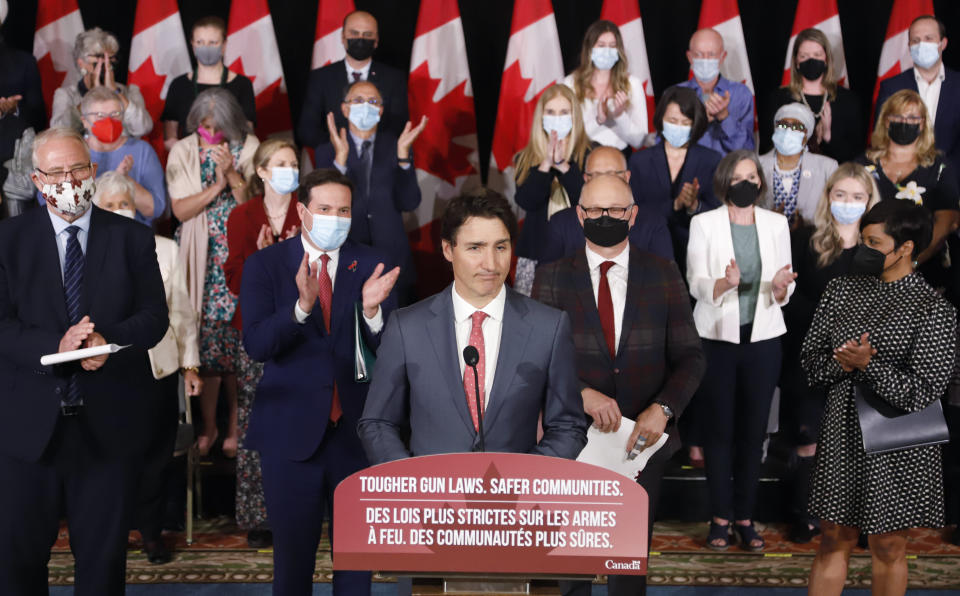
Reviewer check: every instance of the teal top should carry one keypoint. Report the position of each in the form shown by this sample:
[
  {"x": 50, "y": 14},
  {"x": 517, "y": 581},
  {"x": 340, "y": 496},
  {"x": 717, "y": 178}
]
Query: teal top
[{"x": 746, "y": 250}]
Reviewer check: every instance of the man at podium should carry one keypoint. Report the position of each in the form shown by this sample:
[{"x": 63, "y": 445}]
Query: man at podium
[{"x": 424, "y": 389}]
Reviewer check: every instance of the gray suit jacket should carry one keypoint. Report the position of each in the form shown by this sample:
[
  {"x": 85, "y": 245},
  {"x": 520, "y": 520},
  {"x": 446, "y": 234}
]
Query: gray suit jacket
[
  {"x": 813, "y": 177},
  {"x": 417, "y": 387}
]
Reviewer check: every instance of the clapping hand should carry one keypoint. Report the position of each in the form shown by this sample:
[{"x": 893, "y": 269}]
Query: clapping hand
[
  {"x": 825, "y": 124},
  {"x": 717, "y": 106},
  {"x": 126, "y": 164},
  {"x": 9, "y": 104},
  {"x": 687, "y": 199},
  {"x": 293, "y": 231},
  {"x": 855, "y": 354},
  {"x": 265, "y": 237},
  {"x": 732, "y": 274},
  {"x": 781, "y": 280},
  {"x": 408, "y": 136},
  {"x": 308, "y": 286},
  {"x": 619, "y": 101},
  {"x": 93, "y": 363},
  {"x": 223, "y": 158},
  {"x": 377, "y": 288},
  {"x": 341, "y": 148}
]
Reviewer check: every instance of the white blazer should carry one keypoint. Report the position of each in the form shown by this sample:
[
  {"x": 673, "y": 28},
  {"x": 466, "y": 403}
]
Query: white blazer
[
  {"x": 813, "y": 178},
  {"x": 708, "y": 254},
  {"x": 629, "y": 128},
  {"x": 179, "y": 347}
]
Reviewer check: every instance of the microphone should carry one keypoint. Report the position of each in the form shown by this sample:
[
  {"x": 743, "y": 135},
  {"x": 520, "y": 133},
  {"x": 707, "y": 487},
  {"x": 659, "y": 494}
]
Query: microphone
[{"x": 471, "y": 357}]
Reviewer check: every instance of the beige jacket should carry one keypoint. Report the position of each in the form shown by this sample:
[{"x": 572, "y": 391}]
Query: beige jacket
[
  {"x": 179, "y": 347},
  {"x": 183, "y": 180}
]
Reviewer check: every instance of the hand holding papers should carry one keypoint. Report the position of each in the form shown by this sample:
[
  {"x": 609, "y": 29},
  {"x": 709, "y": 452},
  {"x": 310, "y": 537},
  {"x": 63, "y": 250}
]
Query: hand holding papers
[{"x": 609, "y": 450}]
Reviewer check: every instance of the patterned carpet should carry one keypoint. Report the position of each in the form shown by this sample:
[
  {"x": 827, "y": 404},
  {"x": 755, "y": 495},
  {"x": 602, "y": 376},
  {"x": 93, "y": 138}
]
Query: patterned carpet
[{"x": 678, "y": 558}]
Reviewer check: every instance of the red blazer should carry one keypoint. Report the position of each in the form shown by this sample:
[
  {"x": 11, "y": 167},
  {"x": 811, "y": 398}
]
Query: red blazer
[{"x": 243, "y": 227}]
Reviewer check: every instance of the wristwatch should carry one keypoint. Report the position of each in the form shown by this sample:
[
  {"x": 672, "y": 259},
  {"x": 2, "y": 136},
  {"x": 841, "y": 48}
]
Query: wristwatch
[{"x": 667, "y": 410}]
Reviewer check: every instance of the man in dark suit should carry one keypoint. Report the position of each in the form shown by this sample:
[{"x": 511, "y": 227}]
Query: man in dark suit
[
  {"x": 381, "y": 167},
  {"x": 71, "y": 435},
  {"x": 422, "y": 387},
  {"x": 565, "y": 234},
  {"x": 298, "y": 300},
  {"x": 638, "y": 351},
  {"x": 325, "y": 85},
  {"x": 938, "y": 85}
]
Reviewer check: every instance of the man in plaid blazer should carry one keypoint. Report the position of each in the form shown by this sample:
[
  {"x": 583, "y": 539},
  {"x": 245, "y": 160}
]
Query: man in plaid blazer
[{"x": 638, "y": 352}]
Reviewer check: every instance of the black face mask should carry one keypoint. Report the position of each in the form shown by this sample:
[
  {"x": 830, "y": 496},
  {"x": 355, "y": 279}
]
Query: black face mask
[
  {"x": 869, "y": 261},
  {"x": 743, "y": 193},
  {"x": 359, "y": 48},
  {"x": 606, "y": 231},
  {"x": 812, "y": 68},
  {"x": 903, "y": 133}
]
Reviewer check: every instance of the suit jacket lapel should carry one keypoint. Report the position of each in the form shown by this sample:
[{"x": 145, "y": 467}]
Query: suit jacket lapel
[
  {"x": 93, "y": 261},
  {"x": 344, "y": 289},
  {"x": 49, "y": 258},
  {"x": 514, "y": 333},
  {"x": 632, "y": 305},
  {"x": 583, "y": 285},
  {"x": 444, "y": 340}
]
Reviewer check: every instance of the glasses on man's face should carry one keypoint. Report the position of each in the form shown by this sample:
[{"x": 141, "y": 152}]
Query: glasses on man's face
[
  {"x": 592, "y": 175},
  {"x": 75, "y": 173},
  {"x": 614, "y": 212},
  {"x": 359, "y": 100},
  {"x": 792, "y": 126},
  {"x": 94, "y": 116},
  {"x": 909, "y": 119}
]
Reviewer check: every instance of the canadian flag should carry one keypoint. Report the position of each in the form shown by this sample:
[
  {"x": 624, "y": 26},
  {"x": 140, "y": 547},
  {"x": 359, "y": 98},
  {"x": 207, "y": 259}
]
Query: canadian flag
[
  {"x": 822, "y": 15},
  {"x": 533, "y": 63},
  {"x": 446, "y": 150},
  {"x": 626, "y": 15},
  {"x": 58, "y": 24},
  {"x": 252, "y": 50},
  {"x": 158, "y": 54},
  {"x": 895, "y": 55},
  {"x": 723, "y": 16},
  {"x": 328, "y": 45}
]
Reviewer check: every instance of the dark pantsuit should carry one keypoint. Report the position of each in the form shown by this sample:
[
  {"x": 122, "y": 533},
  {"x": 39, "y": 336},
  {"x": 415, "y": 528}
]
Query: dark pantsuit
[
  {"x": 94, "y": 488},
  {"x": 299, "y": 494},
  {"x": 736, "y": 406},
  {"x": 155, "y": 470}
]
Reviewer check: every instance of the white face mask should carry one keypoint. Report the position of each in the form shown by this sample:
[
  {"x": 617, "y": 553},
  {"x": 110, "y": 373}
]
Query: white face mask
[
  {"x": 562, "y": 124},
  {"x": 70, "y": 197}
]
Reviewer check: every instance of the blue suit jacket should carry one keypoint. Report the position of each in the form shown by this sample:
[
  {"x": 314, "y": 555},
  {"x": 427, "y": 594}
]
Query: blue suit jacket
[
  {"x": 417, "y": 385},
  {"x": 302, "y": 362},
  {"x": 947, "y": 126},
  {"x": 565, "y": 235},
  {"x": 123, "y": 295}
]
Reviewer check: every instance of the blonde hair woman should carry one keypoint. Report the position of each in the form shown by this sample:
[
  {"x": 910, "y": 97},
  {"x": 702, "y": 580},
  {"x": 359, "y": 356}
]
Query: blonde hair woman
[
  {"x": 815, "y": 71},
  {"x": 612, "y": 100},
  {"x": 548, "y": 173},
  {"x": 821, "y": 252}
]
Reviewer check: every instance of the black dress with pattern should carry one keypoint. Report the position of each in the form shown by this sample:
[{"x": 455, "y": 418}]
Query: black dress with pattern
[{"x": 913, "y": 330}]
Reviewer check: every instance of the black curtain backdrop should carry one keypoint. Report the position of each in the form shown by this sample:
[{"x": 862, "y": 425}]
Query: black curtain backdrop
[{"x": 486, "y": 23}]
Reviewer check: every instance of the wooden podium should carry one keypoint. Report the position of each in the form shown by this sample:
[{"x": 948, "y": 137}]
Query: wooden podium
[{"x": 490, "y": 523}]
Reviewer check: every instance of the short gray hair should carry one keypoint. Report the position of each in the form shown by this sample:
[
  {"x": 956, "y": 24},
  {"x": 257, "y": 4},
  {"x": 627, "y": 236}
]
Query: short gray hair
[
  {"x": 57, "y": 133},
  {"x": 221, "y": 106},
  {"x": 113, "y": 183},
  {"x": 94, "y": 41},
  {"x": 96, "y": 95},
  {"x": 723, "y": 176}
]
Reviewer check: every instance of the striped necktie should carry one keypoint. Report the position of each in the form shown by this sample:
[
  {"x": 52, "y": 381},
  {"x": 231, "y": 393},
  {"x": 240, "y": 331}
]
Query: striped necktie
[{"x": 72, "y": 289}]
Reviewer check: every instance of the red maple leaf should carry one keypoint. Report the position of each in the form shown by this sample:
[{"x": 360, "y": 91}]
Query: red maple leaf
[
  {"x": 451, "y": 117},
  {"x": 50, "y": 77},
  {"x": 514, "y": 116},
  {"x": 151, "y": 86}
]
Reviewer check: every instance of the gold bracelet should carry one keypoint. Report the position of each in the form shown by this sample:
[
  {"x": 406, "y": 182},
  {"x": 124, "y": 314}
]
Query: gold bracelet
[{"x": 193, "y": 369}]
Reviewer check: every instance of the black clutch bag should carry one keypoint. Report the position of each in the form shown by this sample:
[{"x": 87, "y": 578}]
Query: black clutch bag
[{"x": 886, "y": 429}]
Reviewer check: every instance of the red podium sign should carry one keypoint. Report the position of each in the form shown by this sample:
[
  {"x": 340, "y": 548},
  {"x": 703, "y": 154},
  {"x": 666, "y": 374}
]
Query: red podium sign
[{"x": 492, "y": 513}]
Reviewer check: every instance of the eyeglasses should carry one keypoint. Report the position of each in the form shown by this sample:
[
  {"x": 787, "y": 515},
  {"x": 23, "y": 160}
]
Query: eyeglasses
[
  {"x": 614, "y": 212},
  {"x": 76, "y": 173},
  {"x": 101, "y": 115},
  {"x": 359, "y": 100},
  {"x": 787, "y": 126},
  {"x": 591, "y": 175},
  {"x": 907, "y": 119}
]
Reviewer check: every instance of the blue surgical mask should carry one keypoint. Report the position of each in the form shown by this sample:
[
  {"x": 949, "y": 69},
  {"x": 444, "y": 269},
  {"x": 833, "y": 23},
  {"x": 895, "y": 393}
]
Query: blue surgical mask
[
  {"x": 925, "y": 54},
  {"x": 788, "y": 142},
  {"x": 706, "y": 69},
  {"x": 284, "y": 180},
  {"x": 676, "y": 134},
  {"x": 364, "y": 116},
  {"x": 847, "y": 213},
  {"x": 604, "y": 58},
  {"x": 329, "y": 232},
  {"x": 561, "y": 124}
]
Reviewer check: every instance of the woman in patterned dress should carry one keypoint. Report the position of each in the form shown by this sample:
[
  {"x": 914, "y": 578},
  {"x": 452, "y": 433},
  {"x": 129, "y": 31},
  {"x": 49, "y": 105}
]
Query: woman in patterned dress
[
  {"x": 206, "y": 178},
  {"x": 887, "y": 328}
]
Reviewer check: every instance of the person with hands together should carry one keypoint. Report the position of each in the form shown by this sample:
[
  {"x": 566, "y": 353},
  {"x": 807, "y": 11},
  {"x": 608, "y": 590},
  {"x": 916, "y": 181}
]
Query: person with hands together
[
  {"x": 739, "y": 272},
  {"x": 638, "y": 354},
  {"x": 380, "y": 164},
  {"x": 882, "y": 327}
]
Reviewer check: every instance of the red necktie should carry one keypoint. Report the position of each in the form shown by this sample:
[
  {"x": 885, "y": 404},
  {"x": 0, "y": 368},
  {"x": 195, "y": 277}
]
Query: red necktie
[
  {"x": 605, "y": 308},
  {"x": 356, "y": 76},
  {"x": 326, "y": 299},
  {"x": 476, "y": 340}
]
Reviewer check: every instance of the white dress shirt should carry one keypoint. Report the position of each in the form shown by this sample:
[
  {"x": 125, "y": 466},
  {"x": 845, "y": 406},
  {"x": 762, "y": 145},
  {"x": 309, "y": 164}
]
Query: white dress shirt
[
  {"x": 930, "y": 92},
  {"x": 492, "y": 326},
  {"x": 364, "y": 72},
  {"x": 617, "y": 278},
  {"x": 60, "y": 231},
  {"x": 375, "y": 324}
]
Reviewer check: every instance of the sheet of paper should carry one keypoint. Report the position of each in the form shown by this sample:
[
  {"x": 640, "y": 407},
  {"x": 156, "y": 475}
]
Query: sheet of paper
[
  {"x": 61, "y": 357},
  {"x": 608, "y": 450}
]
